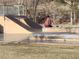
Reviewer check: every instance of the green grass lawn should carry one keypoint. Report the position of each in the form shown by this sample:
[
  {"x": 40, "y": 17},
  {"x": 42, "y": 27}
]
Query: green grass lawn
[{"x": 38, "y": 52}]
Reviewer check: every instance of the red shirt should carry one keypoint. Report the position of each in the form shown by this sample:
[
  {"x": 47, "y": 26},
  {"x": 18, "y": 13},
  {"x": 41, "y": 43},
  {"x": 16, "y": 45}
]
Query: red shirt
[{"x": 47, "y": 22}]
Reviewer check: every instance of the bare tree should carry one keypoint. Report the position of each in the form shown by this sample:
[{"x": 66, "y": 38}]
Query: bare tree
[
  {"x": 73, "y": 5},
  {"x": 35, "y": 4}
]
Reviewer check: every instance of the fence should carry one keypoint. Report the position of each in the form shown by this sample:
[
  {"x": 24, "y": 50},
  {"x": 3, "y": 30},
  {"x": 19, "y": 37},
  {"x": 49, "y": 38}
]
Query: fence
[{"x": 11, "y": 10}]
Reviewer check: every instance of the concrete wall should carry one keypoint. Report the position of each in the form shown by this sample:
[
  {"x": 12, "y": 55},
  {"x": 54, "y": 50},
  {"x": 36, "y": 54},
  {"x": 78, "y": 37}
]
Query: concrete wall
[
  {"x": 12, "y": 31},
  {"x": 76, "y": 30},
  {"x": 54, "y": 29},
  {"x": 59, "y": 29}
]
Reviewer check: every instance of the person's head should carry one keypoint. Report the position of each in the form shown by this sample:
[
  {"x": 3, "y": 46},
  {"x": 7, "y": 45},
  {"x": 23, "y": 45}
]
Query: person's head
[{"x": 48, "y": 16}]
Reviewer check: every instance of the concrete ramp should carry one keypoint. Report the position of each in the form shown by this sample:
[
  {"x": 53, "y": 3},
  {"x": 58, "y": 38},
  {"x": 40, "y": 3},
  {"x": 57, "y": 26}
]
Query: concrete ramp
[
  {"x": 15, "y": 26},
  {"x": 8, "y": 25},
  {"x": 26, "y": 23},
  {"x": 16, "y": 29},
  {"x": 32, "y": 24}
]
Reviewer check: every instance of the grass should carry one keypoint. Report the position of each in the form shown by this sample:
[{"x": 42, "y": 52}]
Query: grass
[{"x": 38, "y": 52}]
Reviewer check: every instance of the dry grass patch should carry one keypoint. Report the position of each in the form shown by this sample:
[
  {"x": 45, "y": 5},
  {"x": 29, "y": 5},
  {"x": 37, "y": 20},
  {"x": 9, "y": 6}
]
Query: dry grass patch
[{"x": 34, "y": 51}]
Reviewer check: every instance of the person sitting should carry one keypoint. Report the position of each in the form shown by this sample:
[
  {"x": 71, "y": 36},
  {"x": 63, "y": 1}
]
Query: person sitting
[{"x": 48, "y": 22}]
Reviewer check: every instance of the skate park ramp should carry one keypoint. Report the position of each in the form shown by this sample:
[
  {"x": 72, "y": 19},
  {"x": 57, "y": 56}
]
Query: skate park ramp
[
  {"x": 31, "y": 23},
  {"x": 26, "y": 23},
  {"x": 16, "y": 29}
]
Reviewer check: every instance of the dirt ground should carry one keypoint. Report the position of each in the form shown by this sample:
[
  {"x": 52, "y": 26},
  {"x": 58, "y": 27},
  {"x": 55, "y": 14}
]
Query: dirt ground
[{"x": 39, "y": 51}]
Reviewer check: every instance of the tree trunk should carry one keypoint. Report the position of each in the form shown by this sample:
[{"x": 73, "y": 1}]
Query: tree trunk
[
  {"x": 71, "y": 17},
  {"x": 35, "y": 9},
  {"x": 74, "y": 16}
]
